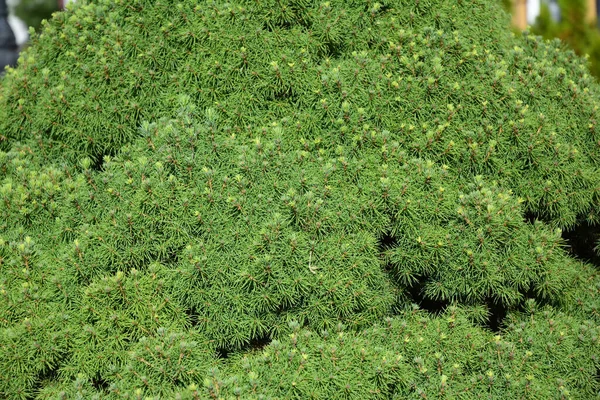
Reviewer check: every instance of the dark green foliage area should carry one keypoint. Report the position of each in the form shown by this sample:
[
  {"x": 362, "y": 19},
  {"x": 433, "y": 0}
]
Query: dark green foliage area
[{"x": 265, "y": 199}]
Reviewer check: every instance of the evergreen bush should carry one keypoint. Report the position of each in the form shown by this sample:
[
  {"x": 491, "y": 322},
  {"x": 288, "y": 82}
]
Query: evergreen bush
[{"x": 297, "y": 199}]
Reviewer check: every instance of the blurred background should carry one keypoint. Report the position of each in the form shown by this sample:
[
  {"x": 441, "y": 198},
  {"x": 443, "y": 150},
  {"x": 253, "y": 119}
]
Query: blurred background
[
  {"x": 16, "y": 16},
  {"x": 25, "y": 13},
  {"x": 576, "y": 22}
]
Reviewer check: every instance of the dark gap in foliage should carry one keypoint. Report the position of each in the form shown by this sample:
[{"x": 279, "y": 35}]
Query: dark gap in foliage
[
  {"x": 98, "y": 160},
  {"x": 284, "y": 308},
  {"x": 581, "y": 241},
  {"x": 192, "y": 316},
  {"x": 49, "y": 374},
  {"x": 415, "y": 293},
  {"x": 530, "y": 294},
  {"x": 258, "y": 343},
  {"x": 222, "y": 353},
  {"x": 497, "y": 314},
  {"x": 178, "y": 383},
  {"x": 386, "y": 241},
  {"x": 269, "y": 26},
  {"x": 172, "y": 258},
  {"x": 100, "y": 384},
  {"x": 255, "y": 344},
  {"x": 332, "y": 50},
  {"x": 45, "y": 377},
  {"x": 530, "y": 217},
  {"x": 172, "y": 255},
  {"x": 286, "y": 94}
]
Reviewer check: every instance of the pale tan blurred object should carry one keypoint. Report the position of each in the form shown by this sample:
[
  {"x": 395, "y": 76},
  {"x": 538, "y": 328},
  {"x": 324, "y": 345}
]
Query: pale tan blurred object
[
  {"x": 519, "y": 15},
  {"x": 592, "y": 12}
]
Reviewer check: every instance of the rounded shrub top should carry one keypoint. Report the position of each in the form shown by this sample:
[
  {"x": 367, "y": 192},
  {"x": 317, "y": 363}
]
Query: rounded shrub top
[
  {"x": 181, "y": 180},
  {"x": 448, "y": 82}
]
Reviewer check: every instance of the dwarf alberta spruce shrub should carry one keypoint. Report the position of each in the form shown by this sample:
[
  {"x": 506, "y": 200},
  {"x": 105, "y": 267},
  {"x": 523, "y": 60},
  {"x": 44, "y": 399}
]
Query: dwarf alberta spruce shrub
[{"x": 296, "y": 199}]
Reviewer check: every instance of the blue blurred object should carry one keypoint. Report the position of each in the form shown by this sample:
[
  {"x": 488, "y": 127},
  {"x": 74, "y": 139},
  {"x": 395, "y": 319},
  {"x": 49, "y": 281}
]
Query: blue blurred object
[{"x": 9, "y": 51}]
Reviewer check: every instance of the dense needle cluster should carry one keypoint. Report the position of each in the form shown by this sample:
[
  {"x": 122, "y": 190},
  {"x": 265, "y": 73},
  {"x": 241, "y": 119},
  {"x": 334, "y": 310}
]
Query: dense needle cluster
[{"x": 296, "y": 199}]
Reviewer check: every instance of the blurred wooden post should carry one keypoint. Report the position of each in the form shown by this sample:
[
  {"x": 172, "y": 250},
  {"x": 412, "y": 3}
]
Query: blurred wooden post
[
  {"x": 592, "y": 10},
  {"x": 519, "y": 15}
]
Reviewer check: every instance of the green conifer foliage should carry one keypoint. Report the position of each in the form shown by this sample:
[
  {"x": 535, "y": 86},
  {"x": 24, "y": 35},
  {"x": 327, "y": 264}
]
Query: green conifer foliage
[{"x": 247, "y": 199}]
